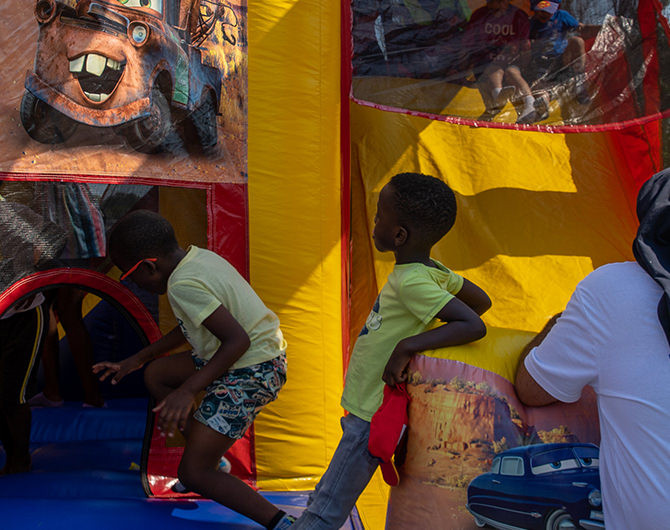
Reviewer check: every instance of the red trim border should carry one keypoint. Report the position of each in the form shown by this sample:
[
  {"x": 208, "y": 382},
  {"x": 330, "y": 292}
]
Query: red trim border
[
  {"x": 617, "y": 126},
  {"x": 86, "y": 279},
  {"x": 345, "y": 177}
]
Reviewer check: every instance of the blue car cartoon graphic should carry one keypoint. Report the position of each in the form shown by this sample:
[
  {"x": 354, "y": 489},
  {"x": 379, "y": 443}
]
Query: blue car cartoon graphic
[{"x": 544, "y": 487}]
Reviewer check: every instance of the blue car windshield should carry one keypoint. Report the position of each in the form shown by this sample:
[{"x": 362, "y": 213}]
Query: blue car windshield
[{"x": 156, "y": 5}]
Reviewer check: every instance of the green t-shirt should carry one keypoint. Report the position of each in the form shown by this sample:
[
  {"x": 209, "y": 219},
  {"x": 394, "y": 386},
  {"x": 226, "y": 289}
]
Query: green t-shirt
[
  {"x": 407, "y": 304},
  {"x": 203, "y": 281}
]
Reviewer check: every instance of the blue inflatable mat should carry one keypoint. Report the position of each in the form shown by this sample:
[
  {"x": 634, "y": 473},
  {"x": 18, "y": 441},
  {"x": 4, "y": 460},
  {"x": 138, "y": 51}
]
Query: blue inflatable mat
[
  {"x": 83, "y": 452},
  {"x": 120, "y": 419},
  {"x": 86, "y": 476},
  {"x": 138, "y": 514}
]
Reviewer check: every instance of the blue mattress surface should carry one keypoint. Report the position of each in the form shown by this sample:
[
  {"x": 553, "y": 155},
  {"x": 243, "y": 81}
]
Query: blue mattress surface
[{"x": 86, "y": 476}]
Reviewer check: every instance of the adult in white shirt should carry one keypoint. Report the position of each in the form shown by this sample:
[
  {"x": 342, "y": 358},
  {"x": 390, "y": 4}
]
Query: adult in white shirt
[{"x": 614, "y": 336}]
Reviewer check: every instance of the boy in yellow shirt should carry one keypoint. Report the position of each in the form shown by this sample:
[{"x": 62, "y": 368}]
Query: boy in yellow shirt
[{"x": 238, "y": 356}]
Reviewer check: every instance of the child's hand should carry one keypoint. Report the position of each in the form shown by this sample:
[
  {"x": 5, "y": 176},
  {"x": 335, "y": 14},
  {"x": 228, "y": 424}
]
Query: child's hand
[
  {"x": 395, "y": 371},
  {"x": 121, "y": 369},
  {"x": 173, "y": 412}
]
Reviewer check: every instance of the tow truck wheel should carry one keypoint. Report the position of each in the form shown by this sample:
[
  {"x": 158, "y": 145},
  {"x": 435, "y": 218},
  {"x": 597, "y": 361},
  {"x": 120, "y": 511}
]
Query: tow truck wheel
[
  {"x": 203, "y": 120},
  {"x": 44, "y": 123},
  {"x": 149, "y": 134}
]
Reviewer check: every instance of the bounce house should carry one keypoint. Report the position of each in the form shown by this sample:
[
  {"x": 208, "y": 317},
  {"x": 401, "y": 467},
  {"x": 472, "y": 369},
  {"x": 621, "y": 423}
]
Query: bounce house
[{"x": 265, "y": 132}]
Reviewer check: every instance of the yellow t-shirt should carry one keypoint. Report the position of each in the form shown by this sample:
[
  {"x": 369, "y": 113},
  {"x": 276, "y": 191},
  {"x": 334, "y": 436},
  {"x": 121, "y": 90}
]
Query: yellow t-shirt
[
  {"x": 203, "y": 281},
  {"x": 407, "y": 304}
]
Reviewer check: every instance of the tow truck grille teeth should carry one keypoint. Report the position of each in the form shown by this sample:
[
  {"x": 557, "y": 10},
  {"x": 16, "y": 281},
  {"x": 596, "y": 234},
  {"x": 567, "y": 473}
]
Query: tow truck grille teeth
[{"x": 98, "y": 75}]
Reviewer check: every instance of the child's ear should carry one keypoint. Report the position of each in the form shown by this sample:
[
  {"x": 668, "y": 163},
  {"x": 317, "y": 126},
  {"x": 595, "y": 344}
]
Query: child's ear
[
  {"x": 153, "y": 269},
  {"x": 401, "y": 236}
]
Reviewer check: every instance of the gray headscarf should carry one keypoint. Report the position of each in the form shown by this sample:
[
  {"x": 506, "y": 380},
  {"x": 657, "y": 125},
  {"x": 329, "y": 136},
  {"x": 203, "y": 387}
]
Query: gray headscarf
[{"x": 652, "y": 242}]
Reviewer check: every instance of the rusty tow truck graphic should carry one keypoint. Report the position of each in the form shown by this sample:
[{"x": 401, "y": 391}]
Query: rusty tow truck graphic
[{"x": 135, "y": 66}]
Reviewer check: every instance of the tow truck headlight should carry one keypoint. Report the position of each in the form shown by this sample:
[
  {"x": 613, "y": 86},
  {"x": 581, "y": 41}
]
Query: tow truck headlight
[
  {"x": 138, "y": 33},
  {"x": 45, "y": 11}
]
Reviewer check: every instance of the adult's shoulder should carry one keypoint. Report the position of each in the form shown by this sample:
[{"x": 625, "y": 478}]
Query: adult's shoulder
[
  {"x": 617, "y": 277},
  {"x": 518, "y": 11},
  {"x": 478, "y": 13},
  {"x": 625, "y": 268},
  {"x": 520, "y": 17}
]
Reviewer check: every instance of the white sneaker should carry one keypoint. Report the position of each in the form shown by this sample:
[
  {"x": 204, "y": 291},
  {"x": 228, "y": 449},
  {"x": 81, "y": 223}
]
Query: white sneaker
[
  {"x": 40, "y": 400},
  {"x": 224, "y": 466},
  {"x": 527, "y": 116},
  {"x": 503, "y": 96},
  {"x": 178, "y": 487}
]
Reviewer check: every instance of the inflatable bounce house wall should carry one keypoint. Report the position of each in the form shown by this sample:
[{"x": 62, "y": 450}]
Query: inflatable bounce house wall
[
  {"x": 265, "y": 131},
  {"x": 224, "y": 117},
  {"x": 540, "y": 205}
]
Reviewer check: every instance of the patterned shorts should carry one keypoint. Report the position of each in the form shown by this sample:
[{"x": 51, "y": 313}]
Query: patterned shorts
[{"x": 232, "y": 402}]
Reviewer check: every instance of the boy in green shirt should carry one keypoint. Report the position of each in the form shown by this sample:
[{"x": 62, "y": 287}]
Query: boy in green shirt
[{"x": 414, "y": 212}]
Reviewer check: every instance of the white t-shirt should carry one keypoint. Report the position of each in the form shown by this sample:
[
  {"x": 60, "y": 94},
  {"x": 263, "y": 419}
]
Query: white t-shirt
[{"x": 609, "y": 337}]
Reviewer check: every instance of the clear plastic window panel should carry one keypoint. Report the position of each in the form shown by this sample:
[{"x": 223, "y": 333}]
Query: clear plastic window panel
[
  {"x": 53, "y": 224},
  {"x": 514, "y": 62}
]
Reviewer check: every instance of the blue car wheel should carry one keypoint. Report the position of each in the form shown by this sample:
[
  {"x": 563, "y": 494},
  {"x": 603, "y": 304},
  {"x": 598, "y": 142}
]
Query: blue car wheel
[{"x": 559, "y": 520}]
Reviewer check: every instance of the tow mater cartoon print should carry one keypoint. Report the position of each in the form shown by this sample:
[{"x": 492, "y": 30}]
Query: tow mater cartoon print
[{"x": 132, "y": 65}]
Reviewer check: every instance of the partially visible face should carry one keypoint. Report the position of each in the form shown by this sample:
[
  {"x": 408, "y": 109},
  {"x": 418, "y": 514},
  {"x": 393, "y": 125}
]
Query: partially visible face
[
  {"x": 145, "y": 275},
  {"x": 543, "y": 16},
  {"x": 386, "y": 221},
  {"x": 497, "y": 5}
]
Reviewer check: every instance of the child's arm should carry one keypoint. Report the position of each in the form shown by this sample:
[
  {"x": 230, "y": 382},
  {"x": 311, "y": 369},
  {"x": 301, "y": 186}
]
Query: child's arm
[
  {"x": 171, "y": 341},
  {"x": 175, "y": 409},
  {"x": 463, "y": 325},
  {"x": 474, "y": 297}
]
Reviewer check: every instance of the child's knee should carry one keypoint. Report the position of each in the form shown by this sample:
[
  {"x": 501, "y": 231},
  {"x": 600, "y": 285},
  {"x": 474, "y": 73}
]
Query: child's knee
[
  {"x": 152, "y": 375},
  {"x": 186, "y": 475},
  {"x": 513, "y": 72},
  {"x": 576, "y": 43}
]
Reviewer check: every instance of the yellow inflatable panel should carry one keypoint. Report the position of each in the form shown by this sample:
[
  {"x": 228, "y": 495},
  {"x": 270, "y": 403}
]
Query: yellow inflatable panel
[
  {"x": 536, "y": 213},
  {"x": 295, "y": 240}
]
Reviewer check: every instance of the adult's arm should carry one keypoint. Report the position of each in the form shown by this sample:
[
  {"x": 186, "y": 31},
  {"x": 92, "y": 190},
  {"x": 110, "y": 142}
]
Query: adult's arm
[
  {"x": 529, "y": 391},
  {"x": 563, "y": 359}
]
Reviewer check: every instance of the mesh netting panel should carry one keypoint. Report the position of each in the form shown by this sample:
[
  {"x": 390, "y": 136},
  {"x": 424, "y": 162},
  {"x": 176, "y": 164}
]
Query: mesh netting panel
[{"x": 550, "y": 63}]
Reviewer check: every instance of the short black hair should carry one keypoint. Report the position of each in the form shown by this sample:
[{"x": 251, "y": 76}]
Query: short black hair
[
  {"x": 425, "y": 204},
  {"x": 141, "y": 234}
]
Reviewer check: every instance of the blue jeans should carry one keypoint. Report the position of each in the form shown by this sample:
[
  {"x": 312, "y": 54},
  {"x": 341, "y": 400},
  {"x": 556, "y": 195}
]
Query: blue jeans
[{"x": 349, "y": 471}]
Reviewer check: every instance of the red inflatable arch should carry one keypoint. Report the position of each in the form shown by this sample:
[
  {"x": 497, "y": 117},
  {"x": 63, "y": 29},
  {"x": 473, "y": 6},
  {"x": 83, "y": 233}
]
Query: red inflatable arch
[{"x": 91, "y": 281}]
